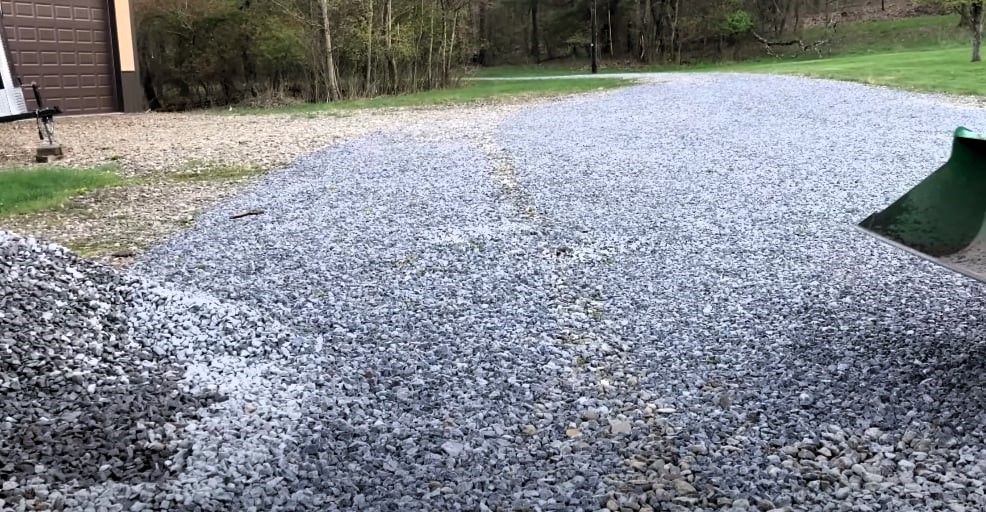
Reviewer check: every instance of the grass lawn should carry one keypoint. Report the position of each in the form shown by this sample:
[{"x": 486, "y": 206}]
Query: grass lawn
[
  {"x": 921, "y": 70},
  {"x": 560, "y": 68},
  {"x": 32, "y": 189},
  {"x": 470, "y": 92}
]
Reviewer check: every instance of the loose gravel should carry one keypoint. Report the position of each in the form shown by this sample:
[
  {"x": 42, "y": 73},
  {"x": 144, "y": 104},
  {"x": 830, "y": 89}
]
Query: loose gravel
[
  {"x": 650, "y": 299},
  {"x": 179, "y": 164}
]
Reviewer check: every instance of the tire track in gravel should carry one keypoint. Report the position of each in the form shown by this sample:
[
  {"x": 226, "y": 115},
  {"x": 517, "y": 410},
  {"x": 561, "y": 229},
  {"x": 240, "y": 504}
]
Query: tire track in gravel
[
  {"x": 652, "y": 309},
  {"x": 651, "y": 472},
  {"x": 801, "y": 358},
  {"x": 448, "y": 330}
]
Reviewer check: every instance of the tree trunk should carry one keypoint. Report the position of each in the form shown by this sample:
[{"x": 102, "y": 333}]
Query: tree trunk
[
  {"x": 675, "y": 36},
  {"x": 444, "y": 77},
  {"x": 369, "y": 53},
  {"x": 797, "y": 17},
  {"x": 593, "y": 43},
  {"x": 609, "y": 26},
  {"x": 431, "y": 48},
  {"x": 391, "y": 61},
  {"x": 332, "y": 76},
  {"x": 450, "y": 54},
  {"x": 977, "y": 29},
  {"x": 535, "y": 31},
  {"x": 147, "y": 82}
]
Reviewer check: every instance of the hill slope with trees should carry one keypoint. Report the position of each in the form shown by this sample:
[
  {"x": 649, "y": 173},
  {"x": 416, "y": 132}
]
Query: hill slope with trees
[{"x": 197, "y": 53}]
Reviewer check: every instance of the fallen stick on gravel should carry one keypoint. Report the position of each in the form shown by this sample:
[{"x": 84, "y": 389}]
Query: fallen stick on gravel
[{"x": 248, "y": 213}]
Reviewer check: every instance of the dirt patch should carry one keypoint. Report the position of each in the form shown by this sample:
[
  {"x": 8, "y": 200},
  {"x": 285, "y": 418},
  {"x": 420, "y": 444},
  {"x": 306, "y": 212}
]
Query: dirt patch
[
  {"x": 151, "y": 143},
  {"x": 177, "y": 165}
]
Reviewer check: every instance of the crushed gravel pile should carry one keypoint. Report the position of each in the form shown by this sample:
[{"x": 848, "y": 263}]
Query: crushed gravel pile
[
  {"x": 81, "y": 402},
  {"x": 93, "y": 363},
  {"x": 646, "y": 300}
]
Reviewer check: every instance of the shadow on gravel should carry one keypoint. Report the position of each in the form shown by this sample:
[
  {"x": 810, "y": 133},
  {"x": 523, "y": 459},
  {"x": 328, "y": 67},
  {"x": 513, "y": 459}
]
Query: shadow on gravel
[{"x": 838, "y": 368}]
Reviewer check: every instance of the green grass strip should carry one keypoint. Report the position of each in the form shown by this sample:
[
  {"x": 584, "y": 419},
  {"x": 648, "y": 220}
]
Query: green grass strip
[
  {"x": 470, "y": 92},
  {"x": 25, "y": 190}
]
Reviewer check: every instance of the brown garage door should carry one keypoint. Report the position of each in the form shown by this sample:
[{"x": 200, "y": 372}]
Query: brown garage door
[{"x": 64, "y": 46}]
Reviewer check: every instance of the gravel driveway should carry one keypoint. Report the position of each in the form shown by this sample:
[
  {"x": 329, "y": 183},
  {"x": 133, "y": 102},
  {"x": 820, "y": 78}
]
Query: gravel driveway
[
  {"x": 176, "y": 165},
  {"x": 651, "y": 299}
]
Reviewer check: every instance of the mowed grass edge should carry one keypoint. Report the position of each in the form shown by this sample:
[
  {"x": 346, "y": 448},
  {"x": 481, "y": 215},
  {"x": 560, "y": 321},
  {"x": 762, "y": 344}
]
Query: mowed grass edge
[
  {"x": 26, "y": 190},
  {"x": 468, "y": 92},
  {"x": 947, "y": 71}
]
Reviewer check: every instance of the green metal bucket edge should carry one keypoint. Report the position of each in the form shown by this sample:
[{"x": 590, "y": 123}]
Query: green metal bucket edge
[
  {"x": 954, "y": 267},
  {"x": 965, "y": 133},
  {"x": 961, "y": 134}
]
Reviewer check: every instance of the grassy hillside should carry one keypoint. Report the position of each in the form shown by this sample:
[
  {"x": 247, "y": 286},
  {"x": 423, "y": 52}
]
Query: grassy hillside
[
  {"x": 922, "y": 32},
  {"x": 849, "y": 39},
  {"x": 926, "y": 53},
  {"x": 923, "y": 70}
]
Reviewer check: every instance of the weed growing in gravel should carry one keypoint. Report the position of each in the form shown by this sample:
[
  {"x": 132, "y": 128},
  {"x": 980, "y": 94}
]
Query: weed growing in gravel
[
  {"x": 25, "y": 190},
  {"x": 199, "y": 171}
]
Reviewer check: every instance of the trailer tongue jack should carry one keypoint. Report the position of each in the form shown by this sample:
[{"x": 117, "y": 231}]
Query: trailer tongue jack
[{"x": 14, "y": 108}]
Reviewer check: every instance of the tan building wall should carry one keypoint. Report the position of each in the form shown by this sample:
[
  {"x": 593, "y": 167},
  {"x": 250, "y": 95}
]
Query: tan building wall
[{"x": 131, "y": 94}]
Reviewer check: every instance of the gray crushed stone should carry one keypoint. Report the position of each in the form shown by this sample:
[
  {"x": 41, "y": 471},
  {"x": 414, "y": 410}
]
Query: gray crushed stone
[
  {"x": 93, "y": 375},
  {"x": 651, "y": 299},
  {"x": 81, "y": 402}
]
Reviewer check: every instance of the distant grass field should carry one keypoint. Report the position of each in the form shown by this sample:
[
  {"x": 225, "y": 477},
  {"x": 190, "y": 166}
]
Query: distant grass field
[
  {"x": 946, "y": 71},
  {"x": 33, "y": 189},
  {"x": 469, "y": 92},
  {"x": 925, "y": 53}
]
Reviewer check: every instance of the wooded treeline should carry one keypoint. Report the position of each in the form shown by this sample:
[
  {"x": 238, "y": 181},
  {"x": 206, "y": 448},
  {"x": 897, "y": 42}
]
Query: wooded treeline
[
  {"x": 213, "y": 52},
  {"x": 209, "y": 52}
]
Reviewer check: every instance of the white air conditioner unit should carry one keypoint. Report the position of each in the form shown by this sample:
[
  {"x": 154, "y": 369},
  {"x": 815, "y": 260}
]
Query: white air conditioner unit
[{"x": 11, "y": 96}]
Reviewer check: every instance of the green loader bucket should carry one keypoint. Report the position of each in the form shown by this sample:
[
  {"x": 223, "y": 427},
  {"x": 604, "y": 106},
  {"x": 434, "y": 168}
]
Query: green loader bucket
[{"x": 942, "y": 219}]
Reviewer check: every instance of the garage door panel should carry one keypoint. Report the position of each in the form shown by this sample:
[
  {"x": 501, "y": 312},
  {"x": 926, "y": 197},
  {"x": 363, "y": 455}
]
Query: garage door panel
[
  {"x": 23, "y": 9},
  {"x": 64, "y": 46}
]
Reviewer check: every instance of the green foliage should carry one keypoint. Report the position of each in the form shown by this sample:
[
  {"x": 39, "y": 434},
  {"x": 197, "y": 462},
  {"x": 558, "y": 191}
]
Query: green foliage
[
  {"x": 201, "y": 53},
  {"x": 279, "y": 48},
  {"x": 881, "y": 36},
  {"x": 737, "y": 22},
  {"x": 27, "y": 190}
]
